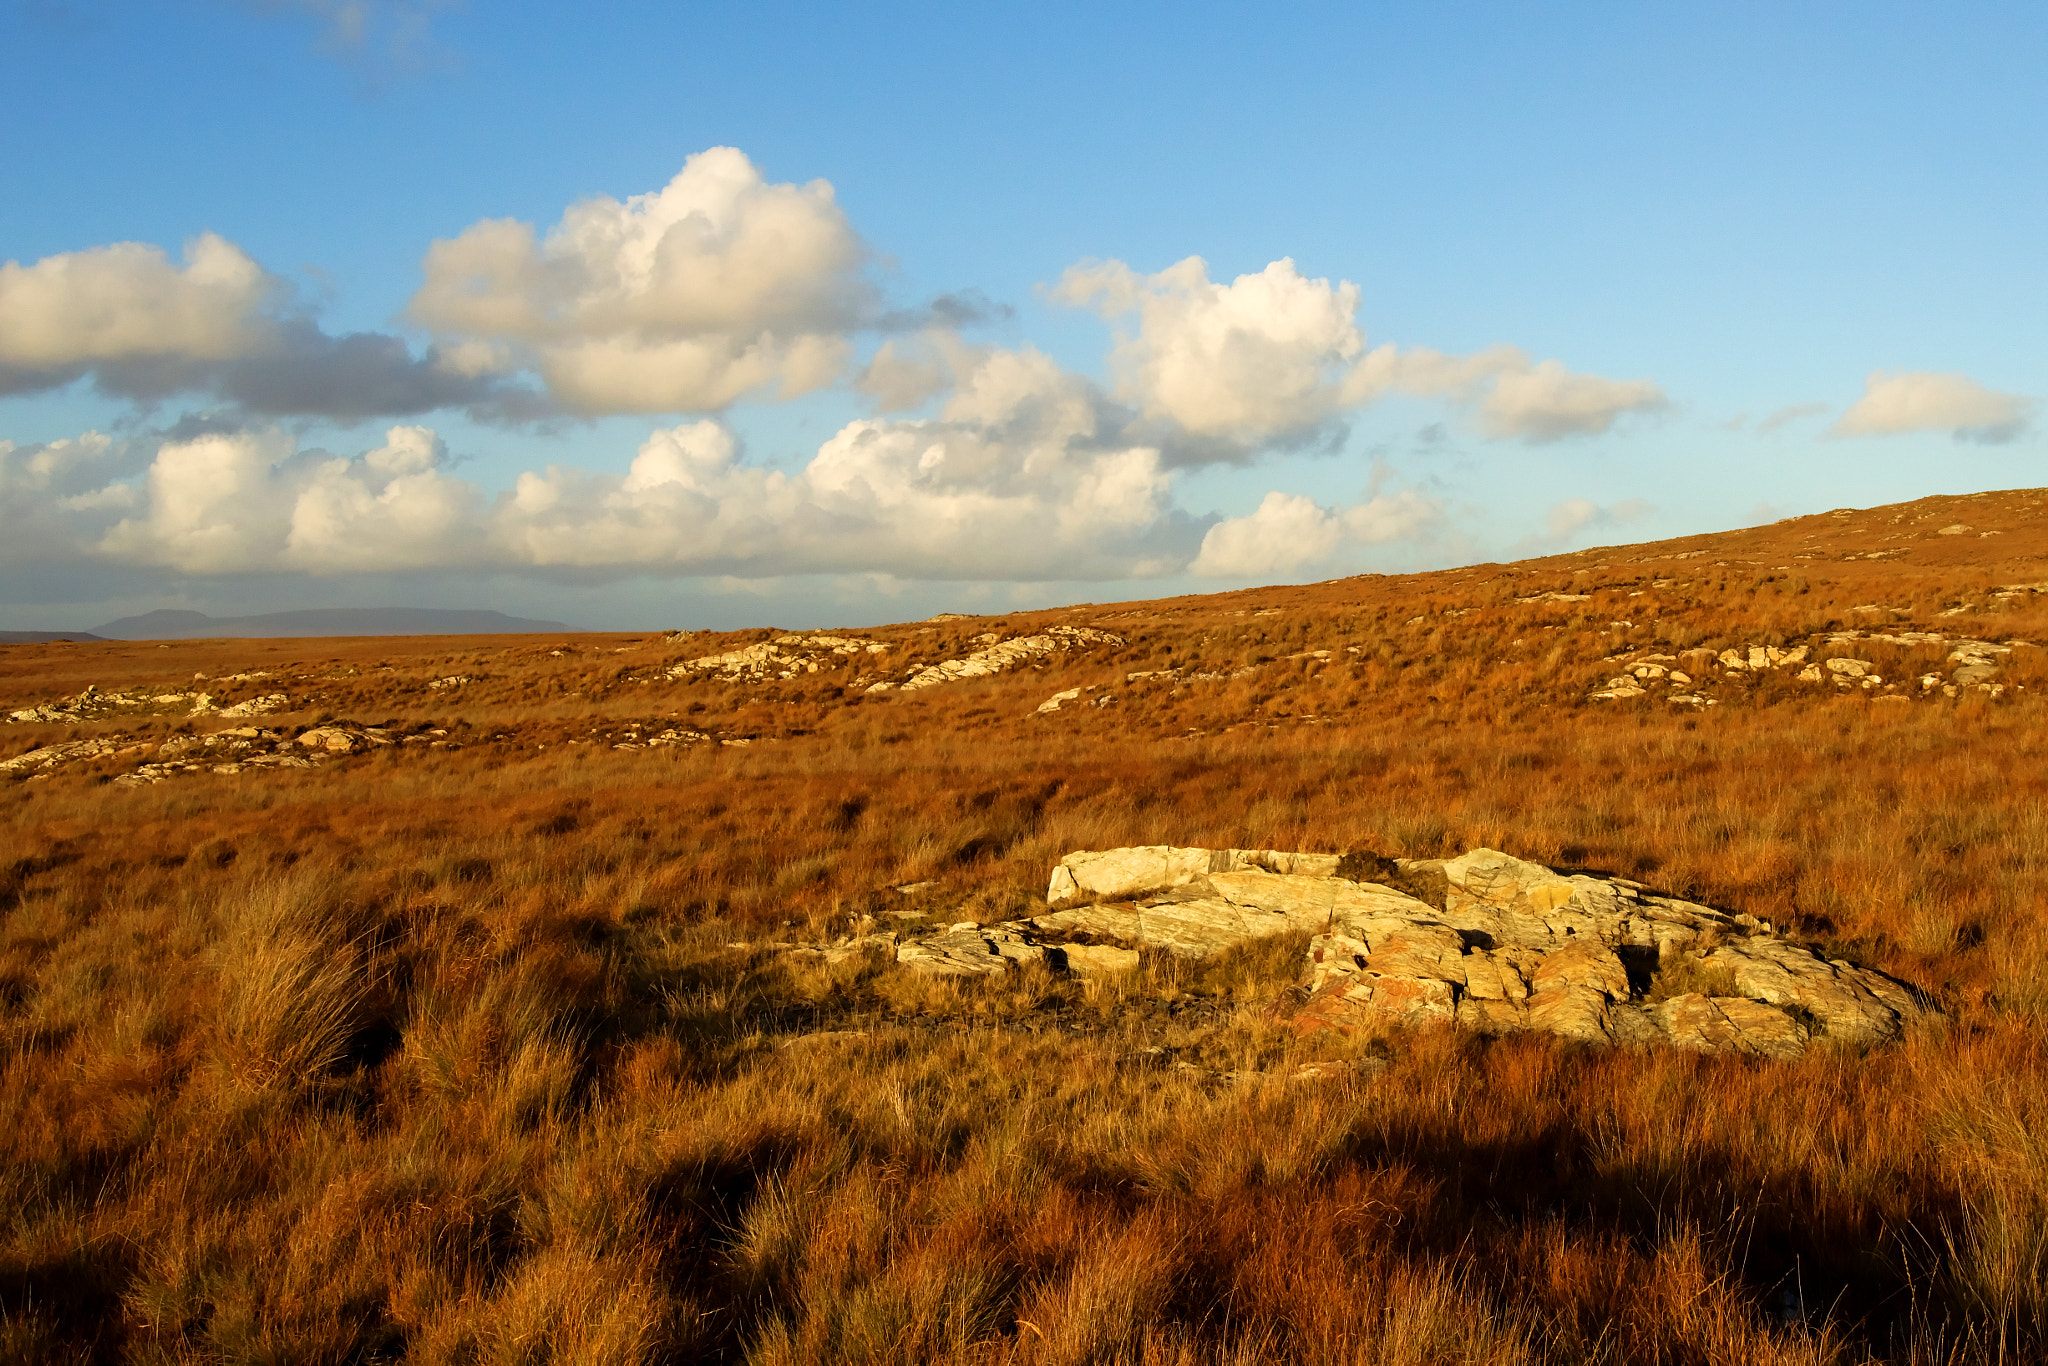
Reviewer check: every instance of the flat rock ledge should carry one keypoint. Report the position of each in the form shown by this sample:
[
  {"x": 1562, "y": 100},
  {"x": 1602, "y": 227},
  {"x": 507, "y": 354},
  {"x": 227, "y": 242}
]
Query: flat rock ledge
[{"x": 1485, "y": 941}]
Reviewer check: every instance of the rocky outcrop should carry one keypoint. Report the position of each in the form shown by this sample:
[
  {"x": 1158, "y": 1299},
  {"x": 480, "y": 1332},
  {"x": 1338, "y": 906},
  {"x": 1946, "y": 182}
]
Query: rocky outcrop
[
  {"x": 249, "y": 747},
  {"x": 1005, "y": 654},
  {"x": 256, "y": 706},
  {"x": 1516, "y": 946},
  {"x": 786, "y": 656},
  {"x": 1484, "y": 941},
  {"x": 68, "y": 751},
  {"x": 223, "y": 751},
  {"x": 972, "y": 950},
  {"x": 133, "y": 703}
]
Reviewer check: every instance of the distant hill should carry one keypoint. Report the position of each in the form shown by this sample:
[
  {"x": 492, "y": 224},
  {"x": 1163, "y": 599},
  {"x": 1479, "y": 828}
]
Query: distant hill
[
  {"x": 326, "y": 621},
  {"x": 44, "y": 637}
]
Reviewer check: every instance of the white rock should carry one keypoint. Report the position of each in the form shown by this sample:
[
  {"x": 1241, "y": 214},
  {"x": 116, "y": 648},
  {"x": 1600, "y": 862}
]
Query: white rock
[
  {"x": 1054, "y": 702},
  {"x": 332, "y": 739}
]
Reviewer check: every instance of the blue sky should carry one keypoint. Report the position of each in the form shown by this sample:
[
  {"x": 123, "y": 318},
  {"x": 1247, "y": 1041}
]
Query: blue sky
[{"x": 1642, "y": 270}]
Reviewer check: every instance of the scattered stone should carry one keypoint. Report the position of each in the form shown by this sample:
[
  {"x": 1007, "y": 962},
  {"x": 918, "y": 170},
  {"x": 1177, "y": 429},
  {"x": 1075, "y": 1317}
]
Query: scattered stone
[
  {"x": 1757, "y": 658},
  {"x": 839, "y": 952},
  {"x": 1976, "y": 662},
  {"x": 1619, "y": 687},
  {"x": 334, "y": 739},
  {"x": 1972, "y": 663}
]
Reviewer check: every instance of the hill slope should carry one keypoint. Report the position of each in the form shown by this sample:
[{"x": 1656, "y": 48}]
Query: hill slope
[{"x": 456, "y": 997}]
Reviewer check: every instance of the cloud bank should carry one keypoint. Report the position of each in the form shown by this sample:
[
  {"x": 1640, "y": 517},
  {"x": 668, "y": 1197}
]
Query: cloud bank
[
  {"x": 1016, "y": 477},
  {"x": 723, "y": 287},
  {"x": 145, "y": 328},
  {"x": 720, "y": 288}
]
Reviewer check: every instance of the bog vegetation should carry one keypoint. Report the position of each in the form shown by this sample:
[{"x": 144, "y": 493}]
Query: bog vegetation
[{"x": 442, "y": 1050}]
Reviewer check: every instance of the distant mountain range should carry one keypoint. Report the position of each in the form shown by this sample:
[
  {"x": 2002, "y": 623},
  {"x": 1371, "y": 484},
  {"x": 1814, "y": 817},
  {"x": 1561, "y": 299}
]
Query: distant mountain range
[{"x": 319, "y": 621}]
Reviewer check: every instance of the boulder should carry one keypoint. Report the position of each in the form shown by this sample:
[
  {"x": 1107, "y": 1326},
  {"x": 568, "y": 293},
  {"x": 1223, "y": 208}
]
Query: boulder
[{"x": 331, "y": 739}]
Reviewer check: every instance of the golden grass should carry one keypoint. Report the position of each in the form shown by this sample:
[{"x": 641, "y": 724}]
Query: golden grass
[{"x": 442, "y": 1055}]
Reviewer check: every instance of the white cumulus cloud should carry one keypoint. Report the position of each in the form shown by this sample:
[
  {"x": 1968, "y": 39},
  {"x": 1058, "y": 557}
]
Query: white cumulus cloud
[
  {"x": 1275, "y": 357},
  {"x": 392, "y": 508},
  {"x": 717, "y": 286},
  {"x": 56, "y": 496},
  {"x": 1928, "y": 401},
  {"x": 145, "y": 327},
  {"x": 1016, "y": 477},
  {"x": 1547, "y": 402},
  {"x": 1258, "y": 360},
  {"x": 1288, "y": 532},
  {"x": 129, "y": 302},
  {"x": 240, "y": 502}
]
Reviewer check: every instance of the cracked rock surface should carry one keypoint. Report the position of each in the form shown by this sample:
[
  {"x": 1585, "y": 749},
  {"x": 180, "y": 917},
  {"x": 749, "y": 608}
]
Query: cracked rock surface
[{"x": 1485, "y": 941}]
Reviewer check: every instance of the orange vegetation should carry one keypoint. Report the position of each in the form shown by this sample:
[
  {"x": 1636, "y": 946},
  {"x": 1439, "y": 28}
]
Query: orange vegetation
[{"x": 442, "y": 1051}]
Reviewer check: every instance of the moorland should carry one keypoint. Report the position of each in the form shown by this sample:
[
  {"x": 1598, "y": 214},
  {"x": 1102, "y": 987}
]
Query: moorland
[{"x": 435, "y": 999}]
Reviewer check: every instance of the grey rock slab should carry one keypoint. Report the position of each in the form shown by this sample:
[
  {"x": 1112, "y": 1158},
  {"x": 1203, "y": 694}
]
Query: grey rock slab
[
  {"x": 1504, "y": 880},
  {"x": 1730, "y": 1024},
  {"x": 1840, "y": 998},
  {"x": 968, "y": 953},
  {"x": 1157, "y": 867},
  {"x": 1575, "y": 1012},
  {"x": 1312, "y": 902},
  {"x": 1092, "y": 960}
]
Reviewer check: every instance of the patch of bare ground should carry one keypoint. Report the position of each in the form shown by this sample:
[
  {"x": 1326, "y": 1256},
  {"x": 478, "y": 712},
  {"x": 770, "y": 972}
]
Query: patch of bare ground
[{"x": 438, "y": 1049}]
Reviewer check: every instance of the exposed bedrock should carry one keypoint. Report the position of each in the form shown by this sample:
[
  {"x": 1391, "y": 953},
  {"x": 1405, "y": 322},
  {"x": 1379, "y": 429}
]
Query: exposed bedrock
[{"x": 1485, "y": 941}]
